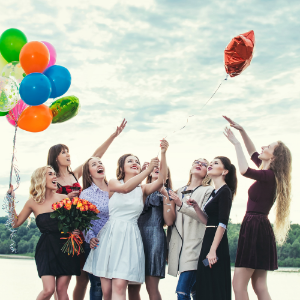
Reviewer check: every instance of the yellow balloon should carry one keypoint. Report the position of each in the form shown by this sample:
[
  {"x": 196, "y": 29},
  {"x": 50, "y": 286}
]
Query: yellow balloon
[{"x": 3, "y": 63}]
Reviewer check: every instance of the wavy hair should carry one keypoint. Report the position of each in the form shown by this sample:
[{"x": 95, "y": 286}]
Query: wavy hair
[
  {"x": 282, "y": 168},
  {"x": 86, "y": 178},
  {"x": 206, "y": 180},
  {"x": 37, "y": 188}
]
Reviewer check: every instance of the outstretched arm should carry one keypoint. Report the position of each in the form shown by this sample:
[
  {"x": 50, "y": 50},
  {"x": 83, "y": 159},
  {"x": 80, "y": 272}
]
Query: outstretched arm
[
  {"x": 242, "y": 162},
  {"x": 248, "y": 142},
  {"x": 150, "y": 188},
  {"x": 24, "y": 214},
  {"x": 102, "y": 149}
]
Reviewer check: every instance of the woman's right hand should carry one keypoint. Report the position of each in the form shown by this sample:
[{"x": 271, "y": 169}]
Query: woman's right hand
[
  {"x": 153, "y": 164},
  {"x": 233, "y": 124},
  {"x": 11, "y": 191},
  {"x": 73, "y": 194},
  {"x": 173, "y": 196},
  {"x": 94, "y": 243},
  {"x": 193, "y": 203},
  {"x": 145, "y": 166}
]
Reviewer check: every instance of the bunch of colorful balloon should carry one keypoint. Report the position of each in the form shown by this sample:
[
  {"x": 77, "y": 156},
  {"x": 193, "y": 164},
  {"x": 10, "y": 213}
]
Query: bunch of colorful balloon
[{"x": 28, "y": 78}]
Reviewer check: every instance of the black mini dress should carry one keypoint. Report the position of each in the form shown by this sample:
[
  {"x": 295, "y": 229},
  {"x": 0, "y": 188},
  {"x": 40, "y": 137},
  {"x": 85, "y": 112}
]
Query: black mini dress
[{"x": 49, "y": 258}]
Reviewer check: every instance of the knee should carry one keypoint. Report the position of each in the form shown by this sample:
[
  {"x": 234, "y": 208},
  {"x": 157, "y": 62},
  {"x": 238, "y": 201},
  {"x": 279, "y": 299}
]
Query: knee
[
  {"x": 119, "y": 288},
  {"x": 260, "y": 288},
  {"x": 48, "y": 292},
  {"x": 237, "y": 286},
  {"x": 182, "y": 296},
  {"x": 106, "y": 291},
  {"x": 83, "y": 280},
  {"x": 152, "y": 289}
]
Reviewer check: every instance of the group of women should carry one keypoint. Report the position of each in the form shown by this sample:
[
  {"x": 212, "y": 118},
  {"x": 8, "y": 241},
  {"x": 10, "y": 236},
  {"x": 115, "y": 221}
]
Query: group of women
[{"x": 128, "y": 245}]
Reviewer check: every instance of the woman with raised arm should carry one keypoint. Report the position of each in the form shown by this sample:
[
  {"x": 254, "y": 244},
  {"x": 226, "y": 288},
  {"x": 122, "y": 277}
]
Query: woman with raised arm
[
  {"x": 188, "y": 230},
  {"x": 158, "y": 211},
  {"x": 214, "y": 272},
  {"x": 120, "y": 258},
  {"x": 55, "y": 268},
  {"x": 256, "y": 253},
  {"x": 67, "y": 182}
]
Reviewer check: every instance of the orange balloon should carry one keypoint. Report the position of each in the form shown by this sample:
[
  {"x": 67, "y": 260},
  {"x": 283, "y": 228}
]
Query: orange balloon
[
  {"x": 35, "y": 118},
  {"x": 34, "y": 57}
]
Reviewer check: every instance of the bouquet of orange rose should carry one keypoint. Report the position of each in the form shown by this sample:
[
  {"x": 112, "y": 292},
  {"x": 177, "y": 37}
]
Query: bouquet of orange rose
[{"x": 74, "y": 214}]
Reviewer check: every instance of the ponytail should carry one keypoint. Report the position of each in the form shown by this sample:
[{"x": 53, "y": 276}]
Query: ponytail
[{"x": 230, "y": 177}]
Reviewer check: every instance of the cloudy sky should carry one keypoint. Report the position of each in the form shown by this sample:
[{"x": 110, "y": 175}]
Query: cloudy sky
[{"x": 154, "y": 63}]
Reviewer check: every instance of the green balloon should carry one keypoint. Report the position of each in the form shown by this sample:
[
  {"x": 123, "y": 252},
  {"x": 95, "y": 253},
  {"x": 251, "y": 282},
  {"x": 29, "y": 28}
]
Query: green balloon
[
  {"x": 64, "y": 109},
  {"x": 11, "y": 42},
  {"x": 3, "y": 113}
]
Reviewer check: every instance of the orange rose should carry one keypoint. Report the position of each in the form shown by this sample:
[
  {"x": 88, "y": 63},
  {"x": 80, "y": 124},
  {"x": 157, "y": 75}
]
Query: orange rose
[
  {"x": 82, "y": 208},
  {"x": 84, "y": 202},
  {"x": 60, "y": 204},
  {"x": 86, "y": 207},
  {"x": 97, "y": 211},
  {"x": 68, "y": 202},
  {"x": 79, "y": 205},
  {"x": 68, "y": 206},
  {"x": 75, "y": 201},
  {"x": 54, "y": 206}
]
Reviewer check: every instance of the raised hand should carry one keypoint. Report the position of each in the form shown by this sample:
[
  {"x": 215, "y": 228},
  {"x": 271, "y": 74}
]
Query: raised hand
[
  {"x": 233, "y": 124},
  {"x": 173, "y": 196},
  {"x": 120, "y": 128},
  {"x": 145, "y": 166},
  {"x": 11, "y": 191},
  {"x": 164, "y": 146},
  {"x": 153, "y": 164},
  {"x": 231, "y": 137}
]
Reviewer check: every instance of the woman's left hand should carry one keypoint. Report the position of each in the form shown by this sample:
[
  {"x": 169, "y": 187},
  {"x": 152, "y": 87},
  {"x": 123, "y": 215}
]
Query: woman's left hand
[
  {"x": 212, "y": 257},
  {"x": 173, "y": 196},
  {"x": 76, "y": 232},
  {"x": 231, "y": 137},
  {"x": 119, "y": 128}
]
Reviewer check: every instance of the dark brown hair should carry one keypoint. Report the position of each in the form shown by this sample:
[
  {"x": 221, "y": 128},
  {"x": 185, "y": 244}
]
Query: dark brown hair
[
  {"x": 168, "y": 183},
  {"x": 230, "y": 177},
  {"x": 53, "y": 153},
  {"x": 120, "y": 169},
  {"x": 86, "y": 178}
]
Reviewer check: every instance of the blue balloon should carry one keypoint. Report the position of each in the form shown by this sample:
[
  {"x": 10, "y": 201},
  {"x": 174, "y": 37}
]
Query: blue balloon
[
  {"x": 60, "y": 79},
  {"x": 35, "y": 89}
]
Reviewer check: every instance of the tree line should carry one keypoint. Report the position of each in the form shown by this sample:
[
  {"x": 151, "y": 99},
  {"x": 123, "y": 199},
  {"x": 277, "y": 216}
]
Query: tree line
[{"x": 27, "y": 237}]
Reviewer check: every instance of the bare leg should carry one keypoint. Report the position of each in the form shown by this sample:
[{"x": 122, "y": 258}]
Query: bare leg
[
  {"x": 81, "y": 286},
  {"x": 134, "y": 291},
  {"x": 48, "y": 288},
  {"x": 152, "y": 287},
  {"x": 119, "y": 287},
  {"x": 259, "y": 284},
  {"x": 62, "y": 284},
  {"x": 240, "y": 282},
  {"x": 106, "y": 285}
]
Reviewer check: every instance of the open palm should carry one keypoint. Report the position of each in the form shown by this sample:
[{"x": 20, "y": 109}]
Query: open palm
[
  {"x": 233, "y": 124},
  {"x": 231, "y": 137}
]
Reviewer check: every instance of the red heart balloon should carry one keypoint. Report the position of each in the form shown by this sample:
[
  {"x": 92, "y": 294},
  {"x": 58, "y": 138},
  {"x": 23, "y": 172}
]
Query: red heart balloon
[
  {"x": 238, "y": 53},
  {"x": 35, "y": 118}
]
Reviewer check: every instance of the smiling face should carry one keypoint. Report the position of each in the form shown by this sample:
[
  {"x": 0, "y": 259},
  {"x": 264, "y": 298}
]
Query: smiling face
[
  {"x": 199, "y": 168},
  {"x": 267, "y": 152},
  {"x": 132, "y": 165},
  {"x": 96, "y": 168},
  {"x": 64, "y": 158},
  {"x": 216, "y": 168},
  {"x": 51, "y": 180}
]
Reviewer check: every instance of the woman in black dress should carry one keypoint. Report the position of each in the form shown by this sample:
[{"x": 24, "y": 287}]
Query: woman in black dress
[
  {"x": 214, "y": 278},
  {"x": 158, "y": 211},
  {"x": 55, "y": 268}
]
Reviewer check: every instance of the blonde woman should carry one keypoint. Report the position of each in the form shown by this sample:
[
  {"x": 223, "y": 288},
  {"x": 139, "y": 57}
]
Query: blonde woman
[
  {"x": 55, "y": 268},
  {"x": 188, "y": 231},
  {"x": 256, "y": 252}
]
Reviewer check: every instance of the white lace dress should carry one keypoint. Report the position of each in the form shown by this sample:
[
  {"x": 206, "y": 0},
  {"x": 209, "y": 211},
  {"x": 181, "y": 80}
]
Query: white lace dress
[{"x": 120, "y": 253}]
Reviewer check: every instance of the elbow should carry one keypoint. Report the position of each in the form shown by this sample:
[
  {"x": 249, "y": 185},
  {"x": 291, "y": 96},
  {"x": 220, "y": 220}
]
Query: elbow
[
  {"x": 169, "y": 223},
  {"x": 243, "y": 171}
]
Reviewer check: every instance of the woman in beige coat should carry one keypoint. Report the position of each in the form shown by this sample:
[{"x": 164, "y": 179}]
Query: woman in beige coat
[{"x": 188, "y": 231}]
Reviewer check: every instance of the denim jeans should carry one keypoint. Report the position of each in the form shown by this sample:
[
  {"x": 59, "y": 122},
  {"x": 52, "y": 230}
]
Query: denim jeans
[
  {"x": 186, "y": 285},
  {"x": 95, "y": 290}
]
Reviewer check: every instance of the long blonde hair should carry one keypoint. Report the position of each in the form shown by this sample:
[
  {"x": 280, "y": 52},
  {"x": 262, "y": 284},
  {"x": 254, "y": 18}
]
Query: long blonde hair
[
  {"x": 86, "y": 176},
  {"x": 37, "y": 188},
  {"x": 206, "y": 180},
  {"x": 282, "y": 168}
]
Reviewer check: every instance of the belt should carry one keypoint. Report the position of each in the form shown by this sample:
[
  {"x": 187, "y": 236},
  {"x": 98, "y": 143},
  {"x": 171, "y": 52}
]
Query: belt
[{"x": 211, "y": 226}]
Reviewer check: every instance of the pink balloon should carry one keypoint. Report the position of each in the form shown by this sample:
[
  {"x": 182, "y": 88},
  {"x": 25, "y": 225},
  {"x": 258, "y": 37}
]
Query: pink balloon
[
  {"x": 14, "y": 114},
  {"x": 52, "y": 54}
]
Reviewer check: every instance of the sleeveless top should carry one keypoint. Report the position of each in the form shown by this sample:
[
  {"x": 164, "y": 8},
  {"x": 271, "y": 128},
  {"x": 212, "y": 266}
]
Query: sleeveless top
[{"x": 66, "y": 189}]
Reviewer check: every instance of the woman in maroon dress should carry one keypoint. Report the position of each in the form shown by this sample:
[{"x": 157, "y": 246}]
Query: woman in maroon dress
[
  {"x": 256, "y": 253},
  {"x": 67, "y": 182}
]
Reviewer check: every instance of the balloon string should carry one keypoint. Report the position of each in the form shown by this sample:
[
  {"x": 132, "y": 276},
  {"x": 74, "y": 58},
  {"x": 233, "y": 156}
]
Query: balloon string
[
  {"x": 9, "y": 201},
  {"x": 200, "y": 108}
]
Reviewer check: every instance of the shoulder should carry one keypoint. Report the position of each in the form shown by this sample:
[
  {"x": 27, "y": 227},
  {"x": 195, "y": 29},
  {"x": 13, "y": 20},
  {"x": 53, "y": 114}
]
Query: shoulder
[
  {"x": 225, "y": 191},
  {"x": 207, "y": 189},
  {"x": 60, "y": 197}
]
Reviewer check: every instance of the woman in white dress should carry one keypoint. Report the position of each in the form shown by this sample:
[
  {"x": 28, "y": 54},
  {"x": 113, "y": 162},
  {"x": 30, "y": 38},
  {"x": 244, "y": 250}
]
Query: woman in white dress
[{"x": 120, "y": 255}]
